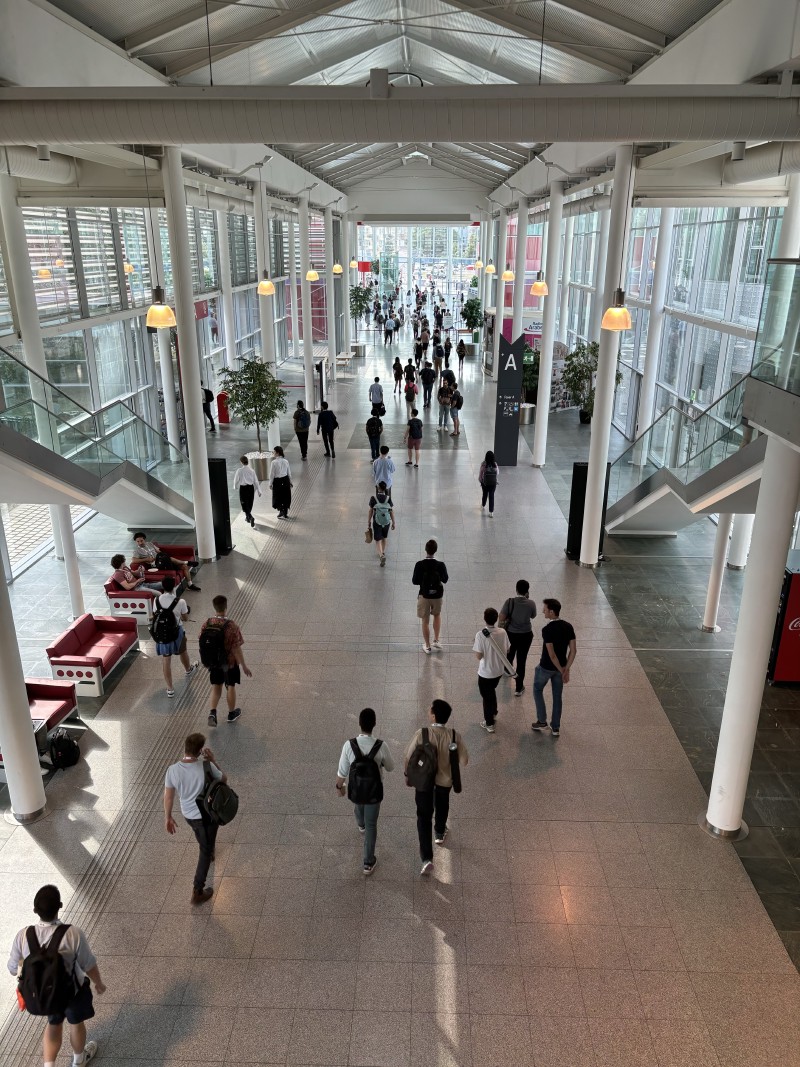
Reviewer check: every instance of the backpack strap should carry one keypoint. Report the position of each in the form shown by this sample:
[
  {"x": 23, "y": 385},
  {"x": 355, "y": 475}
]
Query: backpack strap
[
  {"x": 54, "y": 942},
  {"x": 356, "y": 748},
  {"x": 33, "y": 940},
  {"x": 425, "y": 738},
  {"x": 374, "y": 750}
]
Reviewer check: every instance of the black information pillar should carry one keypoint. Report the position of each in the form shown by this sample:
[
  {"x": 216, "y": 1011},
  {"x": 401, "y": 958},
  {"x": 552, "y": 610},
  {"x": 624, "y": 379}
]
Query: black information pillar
[{"x": 509, "y": 391}]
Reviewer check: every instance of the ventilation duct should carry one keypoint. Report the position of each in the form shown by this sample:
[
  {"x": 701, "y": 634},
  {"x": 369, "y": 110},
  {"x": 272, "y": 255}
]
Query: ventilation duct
[
  {"x": 600, "y": 202},
  {"x": 20, "y": 161},
  {"x": 314, "y": 115},
  {"x": 765, "y": 161}
]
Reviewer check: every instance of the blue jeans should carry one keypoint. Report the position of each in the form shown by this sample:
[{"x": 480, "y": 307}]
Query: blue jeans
[
  {"x": 367, "y": 816},
  {"x": 444, "y": 415},
  {"x": 540, "y": 679}
]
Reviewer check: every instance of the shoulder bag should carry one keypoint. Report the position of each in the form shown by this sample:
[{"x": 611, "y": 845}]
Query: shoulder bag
[{"x": 508, "y": 667}]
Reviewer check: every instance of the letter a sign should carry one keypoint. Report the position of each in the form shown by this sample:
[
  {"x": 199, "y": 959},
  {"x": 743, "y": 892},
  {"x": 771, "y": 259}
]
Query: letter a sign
[{"x": 509, "y": 392}]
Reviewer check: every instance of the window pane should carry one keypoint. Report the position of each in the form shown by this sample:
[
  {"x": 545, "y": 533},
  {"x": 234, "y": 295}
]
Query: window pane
[
  {"x": 68, "y": 367},
  {"x": 703, "y": 372},
  {"x": 135, "y": 255},
  {"x": 208, "y": 250},
  {"x": 98, "y": 260},
  {"x": 111, "y": 361},
  {"x": 52, "y": 262}
]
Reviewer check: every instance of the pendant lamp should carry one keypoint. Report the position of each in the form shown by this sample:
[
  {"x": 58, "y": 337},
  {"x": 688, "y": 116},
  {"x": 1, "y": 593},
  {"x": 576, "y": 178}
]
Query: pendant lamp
[
  {"x": 539, "y": 287},
  {"x": 508, "y": 274},
  {"x": 478, "y": 264},
  {"x": 617, "y": 317},
  {"x": 159, "y": 314},
  {"x": 59, "y": 263},
  {"x": 312, "y": 275},
  {"x": 44, "y": 272},
  {"x": 490, "y": 268},
  {"x": 266, "y": 287},
  {"x": 353, "y": 264},
  {"x": 337, "y": 268},
  {"x": 128, "y": 268}
]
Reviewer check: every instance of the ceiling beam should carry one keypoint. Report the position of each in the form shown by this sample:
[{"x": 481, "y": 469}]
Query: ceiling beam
[
  {"x": 392, "y": 164},
  {"x": 165, "y": 26},
  {"x": 465, "y": 163},
  {"x": 498, "y": 152},
  {"x": 353, "y": 48},
  {"x": 195, "y": 58},
  {"x": 320, "y": 159},
  {"x": 366, "y": 160},
  {"x": 639, "y": 32},
  {"x": 450, "y": 48},
  {"x": 504, "y": 18},
  {"x": 367, "y": 166}
]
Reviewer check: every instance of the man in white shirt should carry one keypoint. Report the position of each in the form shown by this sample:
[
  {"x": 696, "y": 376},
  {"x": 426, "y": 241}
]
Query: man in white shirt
[
  {"x": 79, "y": 961},
  {"x": 187, "y": 779},
  {"x": 247, "y": 483},
  {"x": 365, "y": 784},
  {"x": 491, "y": 649},
  {"x": 166, "y": 650},
  {"x": 376, "y": 396}
]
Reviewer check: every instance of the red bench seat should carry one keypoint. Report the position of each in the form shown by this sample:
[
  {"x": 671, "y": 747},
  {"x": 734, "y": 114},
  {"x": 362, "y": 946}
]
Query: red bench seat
[
  {"x": 139, "y": 602},
  {"x": 90, "y": 649}
]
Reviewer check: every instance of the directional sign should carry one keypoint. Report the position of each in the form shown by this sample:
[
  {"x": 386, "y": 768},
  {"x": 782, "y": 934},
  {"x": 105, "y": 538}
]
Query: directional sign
[{"x": 509, "y": 391}]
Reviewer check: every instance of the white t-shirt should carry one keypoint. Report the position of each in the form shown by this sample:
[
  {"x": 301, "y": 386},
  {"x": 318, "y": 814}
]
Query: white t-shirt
[
  {"x": 181, "y": 607},
  {"x": 188, "y": 780},
  {"x": 78, "y": 957},
  {"x": 491, "y": 666},
  {"x": 246, "y": 476},
  {"x": 365, "y": 743}
]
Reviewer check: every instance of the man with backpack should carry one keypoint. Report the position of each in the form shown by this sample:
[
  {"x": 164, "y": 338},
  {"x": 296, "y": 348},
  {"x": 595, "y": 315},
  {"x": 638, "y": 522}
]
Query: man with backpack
[
  {"x": 360, "y": 778},
  {"x": 188, "y": 779},
  {"x": 491, "y": 649},
  {"x": 208, "y": 400},
  {"x": 302, "y": 424},
  {"x": 374, "y": 430},
  {"x": 169, "y": 614},
  {"x": 427, "y": 377},
  {"x": 376, "y": 398},
  {"x": 55, "y": 967},
  {"x": 221, "y": 652},
  {"x": 431, "y": 576},
  {"x": 444, "y": 396},
  {"x": 432, "y": 768}
]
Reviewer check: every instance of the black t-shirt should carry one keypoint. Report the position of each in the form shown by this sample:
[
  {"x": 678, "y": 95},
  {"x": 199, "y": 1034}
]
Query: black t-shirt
[
  {"x": 410, "y": 372},
  {"x": 430, "y": 575},
  {"x": 428, "y": 375},
  {"x": 415, "y": 429},
  {"x": 557, "y": 633}
]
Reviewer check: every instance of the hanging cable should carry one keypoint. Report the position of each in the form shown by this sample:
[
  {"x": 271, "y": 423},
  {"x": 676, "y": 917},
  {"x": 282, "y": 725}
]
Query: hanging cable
[
  {"x": 541, "y": 42},
  {"x": 208, "y": 39}
]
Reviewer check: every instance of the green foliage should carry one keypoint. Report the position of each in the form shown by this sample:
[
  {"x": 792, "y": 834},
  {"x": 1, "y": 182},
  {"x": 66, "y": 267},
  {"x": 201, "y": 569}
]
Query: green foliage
[
  {"x": 375, "y": 265},
  {"x": 530, "y": 369},
  {"x": 473, "y": 313},
  {"x": 254, "y": 395},
  {"x": 474, "y": 283},
  {"x": 580, "y": 370},
  {"x": 360, "y": 300}
]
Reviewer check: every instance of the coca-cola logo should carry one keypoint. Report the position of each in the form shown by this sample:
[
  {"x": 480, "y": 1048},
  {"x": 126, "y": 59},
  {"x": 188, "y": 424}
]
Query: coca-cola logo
[{"x": 794, "y": 624}]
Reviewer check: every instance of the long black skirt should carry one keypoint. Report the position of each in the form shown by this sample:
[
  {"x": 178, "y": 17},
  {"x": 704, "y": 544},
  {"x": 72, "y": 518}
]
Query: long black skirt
[{"x": 282, "y": 494}]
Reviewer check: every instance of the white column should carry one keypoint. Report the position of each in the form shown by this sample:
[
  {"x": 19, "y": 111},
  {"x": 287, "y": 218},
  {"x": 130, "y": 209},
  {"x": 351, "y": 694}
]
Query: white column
[
  {"x": 266, "y": 304},
  {"x": 58, "y": 548},
  {"x": 500, "y": 291},
  {"x": 553, "y": 230},
  {"x": 330, "y": 295},
  {"x": 293, "y": 285},
  {"x": 448, "y": 230},
  {"x": 410, "y": 250},
  {"x": 721, "y": 541},
  {"x": 775, "y": 332},
  {"x": 168, "y": 388},
  {"x": 777, "y": 500},
  {"x": 566, "y": 273},
  {"x": 71, "y": 560},
  {"x": 5, "y": 557},
  {"x": 228, "y": 315},
  {"x": 21, "y": 760},
  {"x": 740, "y": 542},
  {"x": 519, "y": 268},
  {"x": 606, "y": 363},
  {"x": 487, "y": 278},
  {"x": 305, "y": 263},
  {"x": 345, "y": 277},
  {"x": 599, "y": 295},
  {"x": 655, "y": 325},
  {"x": 175, "y": 198}
]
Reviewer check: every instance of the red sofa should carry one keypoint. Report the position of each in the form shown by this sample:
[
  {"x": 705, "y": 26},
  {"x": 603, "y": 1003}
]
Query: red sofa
[
  {"x": 50, "y": 703},
  {"x": 91, "y": 649},
  {"x": 139, "y": 602}
]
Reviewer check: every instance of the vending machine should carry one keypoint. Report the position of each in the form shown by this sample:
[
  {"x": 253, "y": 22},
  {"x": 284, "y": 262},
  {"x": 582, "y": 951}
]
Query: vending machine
[{"x": 784, "y": 660}]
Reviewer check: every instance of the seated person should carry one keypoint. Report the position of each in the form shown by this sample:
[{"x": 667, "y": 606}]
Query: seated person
[
  {"x": 149, "y": 552},
  {"x": 129, "y": 579}
]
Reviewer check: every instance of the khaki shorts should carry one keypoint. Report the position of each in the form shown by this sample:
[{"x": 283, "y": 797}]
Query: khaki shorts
[{"x": 426, "y": 607}]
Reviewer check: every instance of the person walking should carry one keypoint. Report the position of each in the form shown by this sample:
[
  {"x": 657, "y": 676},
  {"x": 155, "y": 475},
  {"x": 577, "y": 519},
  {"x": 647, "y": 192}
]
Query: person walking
[
  {"x": 427, "y": 377},
  {"x": 488, "y": 477},
  {"x": 221, "y": 652},
  {"x": 410, "y": 371},
  {"x": 376, "y": 398},
  {"x": 431, "y": 576},
  {"x": 327, "y": 423},
  {"x": 559, "y": 648},
  {"x": 397, "y": 371},
  {"x": 444, "y": 397},
  {"x": 445, "y": 747},
  {"x": 302, "y": 424},
  {"x": 49, "y": 935},
  {"x": 171, "y": 612},
  {"x": 417, "y": 352},
  {"x": 186, "y": 779},
  {"x": 381, "y": 515},
  {"x": 448, "y": 347},
  {"x": 461, "y": 351},
  {"x": 425, "y": 338},
  {"x": 360, "y": 778},
  {"x": 456, "y": 404},
  {"x": 374, "y": 428},
  {"x": 246, "y": 481},
  {"x": 413, "y": 437},
  {"x": 388, "y": 330},
  {"x": 383, "y": 469},
  {"x": 280, "y": 482},
  {"x": 208, "y": 399},
  {"x": 410, "y": 395},
  {"x": 491, "y": 650},
  {"x": 516, "y": 616}
]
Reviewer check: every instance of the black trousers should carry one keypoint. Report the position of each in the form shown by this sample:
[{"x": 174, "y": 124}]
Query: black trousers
[
  {"x": 520, "y": 645},
  {"x": 487, "y": 688},
  {"x": 433, "y": 808},
  {"x": 206, "y": 833},
  {"x": 327, "y": 440},
  {"x": 302, "y": 440},
  {"x": 375, "y": 446},
  {"x": 247, "y": 494},
  {"x": 209, "y": 416}
]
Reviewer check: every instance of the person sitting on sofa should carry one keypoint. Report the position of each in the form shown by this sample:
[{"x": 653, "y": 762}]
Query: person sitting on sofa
[
  {"x": 129, "y": 579},
  {"x": 148, "y": 552}
]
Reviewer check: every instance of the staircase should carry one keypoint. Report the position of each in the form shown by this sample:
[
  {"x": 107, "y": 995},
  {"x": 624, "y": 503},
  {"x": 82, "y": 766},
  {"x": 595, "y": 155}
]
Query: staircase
[{"x": 54, "y": 451}]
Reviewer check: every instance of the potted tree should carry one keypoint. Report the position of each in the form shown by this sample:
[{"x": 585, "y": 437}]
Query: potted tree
[
  {"x": 360, "y": 302},
  {"x": 256, "y": 397},
  {"x": 578, "y": 377},
  {"x": 472, "y": 315}
]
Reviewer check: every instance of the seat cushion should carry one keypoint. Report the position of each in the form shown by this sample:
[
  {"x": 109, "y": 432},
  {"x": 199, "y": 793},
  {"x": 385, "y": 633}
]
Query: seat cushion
[
  {"x": 65, "y": 645},
  {"x": 123, "y": 641},
  {"x": 85, "y": 629},
  {"x": 108, "y": 652},
  {"x": 52, "y": 711}
]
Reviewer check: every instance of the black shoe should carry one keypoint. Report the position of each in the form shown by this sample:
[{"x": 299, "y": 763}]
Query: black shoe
[
  {"x": 327, "y": 455},
  {"x": 333, "y": 455},
  {"x": 194, "y": 588},
  {"x": 234, "y": 715},
  {"x": 212, "y": 718},
  {"x": 538, "y": 725},
  {"x": 200, "y": 896}
]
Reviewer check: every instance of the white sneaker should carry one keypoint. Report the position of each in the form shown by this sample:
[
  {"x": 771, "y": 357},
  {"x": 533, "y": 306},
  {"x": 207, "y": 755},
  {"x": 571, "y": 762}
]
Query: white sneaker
[
  {"x": 485, "y": 726},
  {"x": 427, "y": 867},
  {"x": 191, "y": 670},
  {"x": 437, "y": 645},
  {"x": 91, "y": 1051},
  {"x": 426, "y": 649}
]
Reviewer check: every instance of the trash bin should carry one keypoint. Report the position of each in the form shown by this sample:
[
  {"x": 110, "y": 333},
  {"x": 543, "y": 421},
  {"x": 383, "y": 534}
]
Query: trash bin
[
  {"x": 476, "y": 336},
  {"x": 526, "y": 412},
  {"x": 320, "y": 382},
  {"x": 223, "y": 415}
]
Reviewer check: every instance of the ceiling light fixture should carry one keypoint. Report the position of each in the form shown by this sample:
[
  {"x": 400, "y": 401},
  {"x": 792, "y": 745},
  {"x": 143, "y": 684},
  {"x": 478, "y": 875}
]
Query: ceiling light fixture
[
  {"x": 539, "y": 287},
  {"x": 59, "y": 263},
  {"x": 354, "y": 264},
  {"x": 312, "y": 275},
  {"x": 337, "y": 269},
  {"x": 508, "y": 274},
  {"x": 479, "y": 264},
  {"x": 159, "y": 315},
  {"x": 266, "y": 287},
  {"x": 490, "y": 268},
  {"x": 126, "y": 266},
  {"x": 44, "y": 272},
  {"x": 617, "y": 318}
]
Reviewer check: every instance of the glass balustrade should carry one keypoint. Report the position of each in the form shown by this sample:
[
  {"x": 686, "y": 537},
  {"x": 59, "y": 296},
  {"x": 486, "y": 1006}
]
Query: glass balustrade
[
  {"x": 777, "y": 352},
  {"x": 38, "y": 424}
]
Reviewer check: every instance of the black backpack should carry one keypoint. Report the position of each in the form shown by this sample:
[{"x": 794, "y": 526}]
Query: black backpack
[
  {"x": 431, "y": 584},
  {"x": 165, "y": 627},
  {"x": 489, "y": 476},
  {"x": 423, "y": 764},
  {"x": 374, "y": 427},
  {"x": 64, "y": 751},
  {"x": 303, "y": 420},
  {"x": 220, "y": 802},
  {"x": 212, "y": 645},
  {"x": 45, "y": 984},
  {"x": 163, "y": 561},
  {"x": 364, "y": 783}
]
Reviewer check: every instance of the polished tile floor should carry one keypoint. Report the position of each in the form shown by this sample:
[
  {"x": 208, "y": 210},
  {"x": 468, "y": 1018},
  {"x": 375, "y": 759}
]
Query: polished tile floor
[{"x": 576, "y": 916}]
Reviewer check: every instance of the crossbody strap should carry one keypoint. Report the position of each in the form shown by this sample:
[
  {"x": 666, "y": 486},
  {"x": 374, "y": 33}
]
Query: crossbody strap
[{"x": 509, "y": 667}]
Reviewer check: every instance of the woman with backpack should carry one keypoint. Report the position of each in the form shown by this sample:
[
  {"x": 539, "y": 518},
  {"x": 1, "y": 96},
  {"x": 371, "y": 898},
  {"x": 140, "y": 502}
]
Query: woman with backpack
[
  {"x": 456, "y": 404},
  {"x": 166, "y": 629},
  {"x": 487, "y": 476},
  {"x": 461, "y": 351},
  {"x": 302, "y": 424},
  {"x": 380, "y": 518}
]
